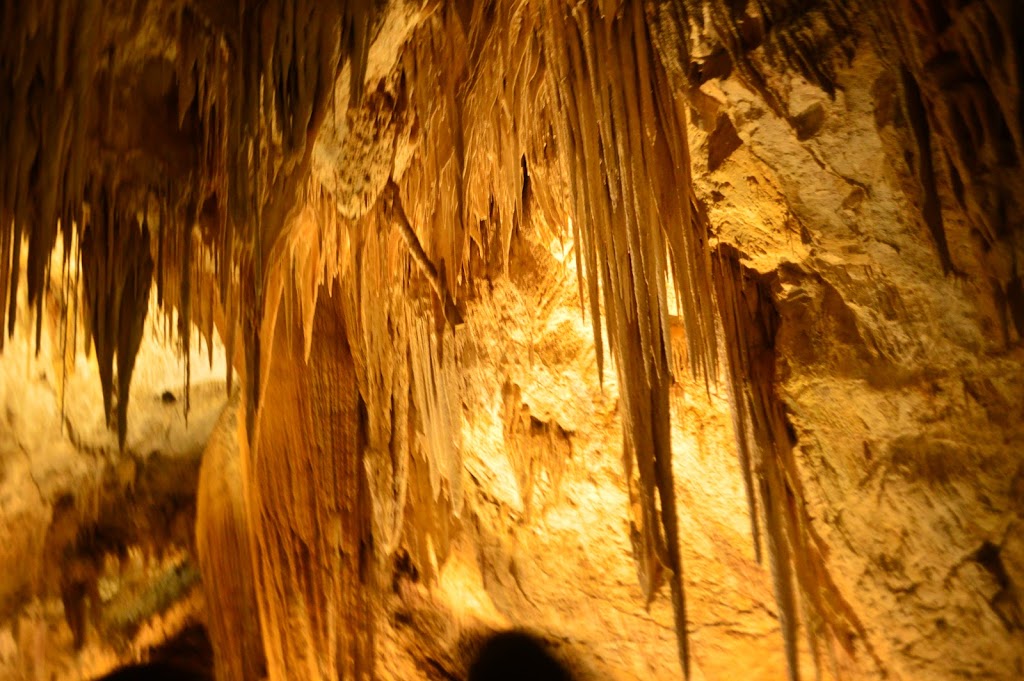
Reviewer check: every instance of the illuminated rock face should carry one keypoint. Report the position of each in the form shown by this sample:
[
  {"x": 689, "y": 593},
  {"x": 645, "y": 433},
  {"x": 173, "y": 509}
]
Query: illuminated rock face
[{"x": 424, "y": 445}]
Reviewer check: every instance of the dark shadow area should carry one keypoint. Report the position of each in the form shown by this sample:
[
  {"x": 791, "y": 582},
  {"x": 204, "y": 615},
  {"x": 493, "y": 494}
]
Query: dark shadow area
[
  {"x": 186, "y": 657},
  {"x": 514, "y": 656},
  {"x": 154, "y": 671}
]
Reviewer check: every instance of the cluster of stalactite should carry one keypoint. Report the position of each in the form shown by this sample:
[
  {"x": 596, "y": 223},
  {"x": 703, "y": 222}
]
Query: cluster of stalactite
[
  {"x": 779, "y": 518},
  {"x": 624, "y": 152},
  {"x": 534, "y": 446},
  {"x": 117, "y": 272},
  {"x": 259, "y": 111},
  {"x": 198, "y": 204},
  {"x": 249, "y": 84},
  {"x": 520, "y": 106},
  {"x": 960, "y": 69},
  {"x": 962, "y": 66},
  {"x": 760, "y": 38},
  {"x": 497, "y": 117},
  {"x": 558, "y": 135},
  {"x": 406, "y": 359},
  {"x": 48, "y": 59}
]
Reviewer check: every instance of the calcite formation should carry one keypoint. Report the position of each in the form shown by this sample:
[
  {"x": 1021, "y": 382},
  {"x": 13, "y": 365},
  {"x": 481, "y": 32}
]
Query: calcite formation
[{"x": 684, "y": 335}]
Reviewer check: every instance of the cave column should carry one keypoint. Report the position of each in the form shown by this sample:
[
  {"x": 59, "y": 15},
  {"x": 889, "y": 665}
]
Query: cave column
[{"x": 306, "y": 502}]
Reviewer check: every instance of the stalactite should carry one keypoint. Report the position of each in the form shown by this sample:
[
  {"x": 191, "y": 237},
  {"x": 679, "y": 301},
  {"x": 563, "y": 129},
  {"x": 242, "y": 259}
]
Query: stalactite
[
  {"x": 626, "y": 156},
  {"x": 535, "y": 448},
  {"x": 762, "y": 36},
  {"x": 375, "y": 299},
  {"x": 925, "y": 170},
  {"x": 451, "y": 312},
  {"x": 43, "y": 184},
  {"x": 765, "y": 444},
  {"x": 434, "y": 374},
  {"x": 959, "y": 62},
  {"x": 116, "y": 282}
]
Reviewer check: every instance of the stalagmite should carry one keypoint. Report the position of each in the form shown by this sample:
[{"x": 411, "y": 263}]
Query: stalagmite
[{"x": 223, "y": 544}]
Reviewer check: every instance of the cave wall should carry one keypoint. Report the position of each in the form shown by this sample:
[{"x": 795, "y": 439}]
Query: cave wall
[{"x": 880, "y": 358}]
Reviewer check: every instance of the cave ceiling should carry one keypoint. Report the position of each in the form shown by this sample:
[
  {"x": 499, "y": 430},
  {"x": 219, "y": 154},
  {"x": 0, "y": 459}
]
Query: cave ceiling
[{"x": 427, "y": 265}]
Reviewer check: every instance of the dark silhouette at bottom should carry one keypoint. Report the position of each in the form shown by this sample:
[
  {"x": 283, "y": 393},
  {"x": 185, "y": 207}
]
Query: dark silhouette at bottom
[
  {"x": 186, "y": 657},
  {"x": 506, "y": 656},
  {"x": 156, "y": 671},
  {"x": 516, "y": 656}
]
